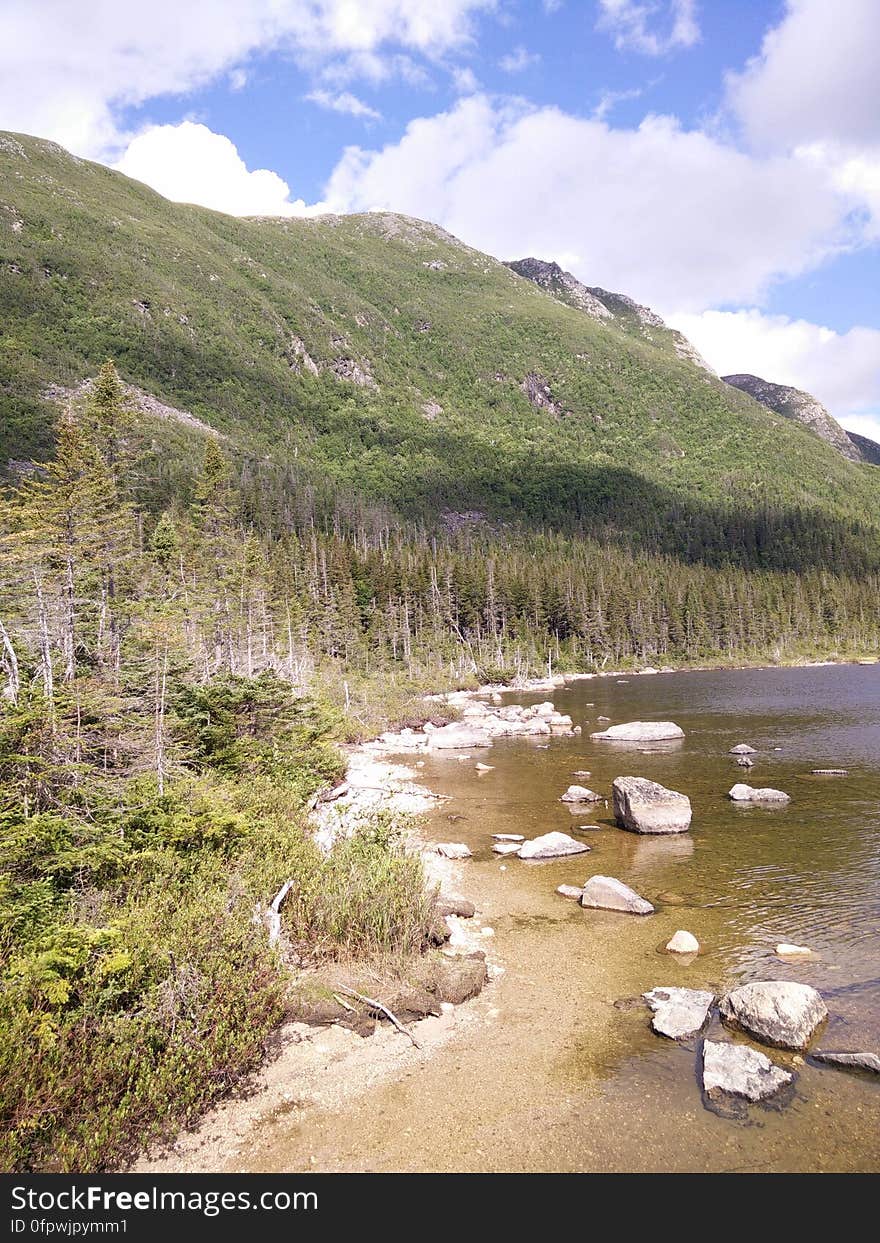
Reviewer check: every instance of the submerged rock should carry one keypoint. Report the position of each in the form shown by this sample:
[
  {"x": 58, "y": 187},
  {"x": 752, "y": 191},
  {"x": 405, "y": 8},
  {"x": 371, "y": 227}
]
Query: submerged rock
[
  {"x": 608, "y": 894},
  {"x": 644, "y": 806},
  {"x": 850, "y": 1061},
  {"x": 683, "y": 942},
  {"x": 452, "y": 904},
  {"x": 506, "y": 848},
  {"x": 580, "y": 794},
  {"x": 747, "y": 794},
  {"x": 784, "y": 950},
  {"x": 454, "y": 850},
  {"x": 459, "y": 978},
  {"x": 737, "y": 1070},
  {"x": 679, "y": 1012},
  {"x": 551, "y": 846},
  {"x": 508, "y": 837},
  {"x": 639, "y": 731},
  {"x": 777, "y": 1012}
]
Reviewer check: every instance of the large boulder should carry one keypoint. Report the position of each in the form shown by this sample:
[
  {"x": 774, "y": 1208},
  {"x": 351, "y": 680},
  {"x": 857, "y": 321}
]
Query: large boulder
[
  {"x": 551, "y": 846},
  {"x": 644, "y": 806},
  {"x": 776, "y": 1012},
  {"x": 741, "y": 793},
  {"x": 679, "y": 1013},
  {"x": 640, "y": 731},
  {"x": 608, "y": 894},
  {"x": 580, "y": 794},
  {"x": 737, "y": 1070},
  {"x": 457, "y": 737}
]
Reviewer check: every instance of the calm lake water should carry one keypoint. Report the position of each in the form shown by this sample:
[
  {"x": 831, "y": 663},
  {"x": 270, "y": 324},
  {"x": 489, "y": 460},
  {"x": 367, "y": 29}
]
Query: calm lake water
[{"x": 556, "y": 1077}]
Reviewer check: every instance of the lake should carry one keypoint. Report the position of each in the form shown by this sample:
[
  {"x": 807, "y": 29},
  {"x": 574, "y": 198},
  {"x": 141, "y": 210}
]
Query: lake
[{"x": 555, "y": 1075}]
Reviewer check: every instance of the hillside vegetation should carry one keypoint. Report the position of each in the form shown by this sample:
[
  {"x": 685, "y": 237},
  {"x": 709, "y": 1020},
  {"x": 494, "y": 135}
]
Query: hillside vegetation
[{"x": 337, "y": 463}]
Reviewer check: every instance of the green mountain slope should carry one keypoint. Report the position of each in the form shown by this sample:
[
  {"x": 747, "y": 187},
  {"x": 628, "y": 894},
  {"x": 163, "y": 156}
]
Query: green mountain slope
[{"x": 387, "y": 358}]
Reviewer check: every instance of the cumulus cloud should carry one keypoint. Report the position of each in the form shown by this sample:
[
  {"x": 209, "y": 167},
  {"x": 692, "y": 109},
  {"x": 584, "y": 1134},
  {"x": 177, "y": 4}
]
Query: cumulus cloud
[
  {"x": 68, "y": 66},
  {"x": 631, "y": 25},
  {"x": 345, "y": 103},
  {"x": 189, "y": 163},
  {"x": 671, "y": 216},
  {"x": 841, "y": 369}
]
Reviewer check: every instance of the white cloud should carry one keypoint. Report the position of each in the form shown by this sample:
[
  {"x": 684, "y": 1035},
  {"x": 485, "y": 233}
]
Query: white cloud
[
  {"x": 672, "y": 217},
  {"x": 518, "y": 60},
  {"x": 464, "y": 80},
  {"x": 609, "y": 100},
  {"x": 345, "y": 103},
  {"x": 190, "y": 164},
  {"x": 841, "y": 369},
  {"x": 68, "y": 66},
  {"x": 629, "y": 22}
]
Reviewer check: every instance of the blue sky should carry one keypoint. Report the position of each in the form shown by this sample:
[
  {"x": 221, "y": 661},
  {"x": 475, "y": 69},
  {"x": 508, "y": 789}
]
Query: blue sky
[{"x": 717, "y": 159}]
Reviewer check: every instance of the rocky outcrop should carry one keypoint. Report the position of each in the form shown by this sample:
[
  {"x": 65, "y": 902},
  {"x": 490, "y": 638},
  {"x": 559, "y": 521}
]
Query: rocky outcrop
[
  {"x": 776, "y": 1012},
  {"x": 737, "y": 1070},
  {"x": 803, "y": 408},
  {"x": 551, "y": 846},
  {"x": 869, "y": 450},
  {"x": 537, "y": 390},
  {"x": 608, "y": 894},
  {"x": 644, "y": 806},
  {"x": 679, "y": 1013},
  {"x": 747, "y": 794},
  {"x": 639, "y": 731}
]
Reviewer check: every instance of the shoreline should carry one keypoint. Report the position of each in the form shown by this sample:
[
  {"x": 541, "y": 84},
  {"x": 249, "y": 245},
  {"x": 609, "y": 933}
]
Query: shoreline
[{"x": 310, "y": 1068}]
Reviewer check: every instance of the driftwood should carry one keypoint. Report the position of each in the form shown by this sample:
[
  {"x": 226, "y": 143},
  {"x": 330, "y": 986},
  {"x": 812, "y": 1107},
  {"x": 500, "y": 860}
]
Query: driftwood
[
  {"x": 273, "y": 915},
  {"x": 377, "y": 1005}
]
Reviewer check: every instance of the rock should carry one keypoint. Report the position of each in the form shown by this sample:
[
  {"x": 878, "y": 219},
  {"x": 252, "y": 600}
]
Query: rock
[
  {"x": 609, "y": 894},
  {"x": 855, "y": 1061},
  {"x": 457, "y": 737},
  {"x": 581, "y": 772},
  {"x": 454, "y": 850},
  {"x": 452, "y": 904},
  {"x": 784, "y": 950},
  {"x": 485, "y": 768},
  {"x": 776, "y": 1012},
  {"x": 742, "y": 748},
  {"x": 737, "y": 1070},
  {"x": 747, "y": 794},
  {"x": 639, "y": 731},
  {"x": 679, "y": 1012},
  {"x": 545, "y": 710},
  {"x": 683, "y": 942},
  {"x": 508, "y": 837},
  {"x": 648, "y": 669},
  {"x": 580, "y": 794},
  {"x": 744, "y": 761},
  {"x": 459, "y": 978},
  {"x": 670, "y": 898},
  {"x": 643, "y": 806},
  {"x": 439, "y": 931},
  {"x": 506, "y": 848},
  {"x": 570, "y": 891},
  {"x": 830, "y": 772},
  {"x": 551, "y": 846}
]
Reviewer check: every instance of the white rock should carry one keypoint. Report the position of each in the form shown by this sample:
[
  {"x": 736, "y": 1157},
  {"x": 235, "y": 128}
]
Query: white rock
[
  {"x": 580, "y": 794},
  {"x": 858, "y": 1061},
  {"x": 570, "y": 891},
  {"x": 784, "y": 950},
  {"x": 609, "y": 894},
  {"x": 551, "y": 846},
  {"x": 639, "y": 731},
  {"x": 644, "y": 806},
  {"x": 506, "y": 848},
  {"x": 679, "y": 1012},
  {"x": 487, "y": 932},
  {"x": 458, "y": 738},
  {"x": 777, "y": 1012},
  {"x": 742, "y": 748},
  {"x": 508, "y": 837},
  {"x": 747, "y": 794},
  {"x": 737, "y": 1070},
  {"x": 485, "y": 768},
  {"x": 683, "y": 942},
  {"x": 454, "y": 850}
]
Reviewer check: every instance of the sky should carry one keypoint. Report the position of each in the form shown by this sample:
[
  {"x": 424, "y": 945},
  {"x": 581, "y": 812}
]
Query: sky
[{"x": 718, "y": 160}]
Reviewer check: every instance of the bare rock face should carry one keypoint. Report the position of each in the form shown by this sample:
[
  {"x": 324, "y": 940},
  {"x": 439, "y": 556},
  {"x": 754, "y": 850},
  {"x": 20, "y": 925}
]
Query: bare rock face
[
  {"x": 737, "y": 1070},
  {"x": 640, "y": 731},
  {"x": 458, "y": 738},
  {"x": 608, "y": 894},
  {"x": 551, "y": 846},
  {"x": 748, "y": 794},
  {"x": 776, "y": 1012},
  {"x": 644, "y": 806},
  {"x": 580, "y": 794},
  {"x": 679, "y": 1012}
]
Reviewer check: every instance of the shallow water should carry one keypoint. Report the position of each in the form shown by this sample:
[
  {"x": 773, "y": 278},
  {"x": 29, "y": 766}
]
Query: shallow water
[{"x": 556, "y": 1077}]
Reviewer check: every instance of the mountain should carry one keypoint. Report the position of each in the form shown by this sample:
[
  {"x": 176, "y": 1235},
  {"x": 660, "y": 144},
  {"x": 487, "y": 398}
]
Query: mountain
[
  {"x": 380, "y": 356},
  {"x": 803, "y": 408},
  {"x": 611, "y": 308},
  {"x": 869, "y": 449}
]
